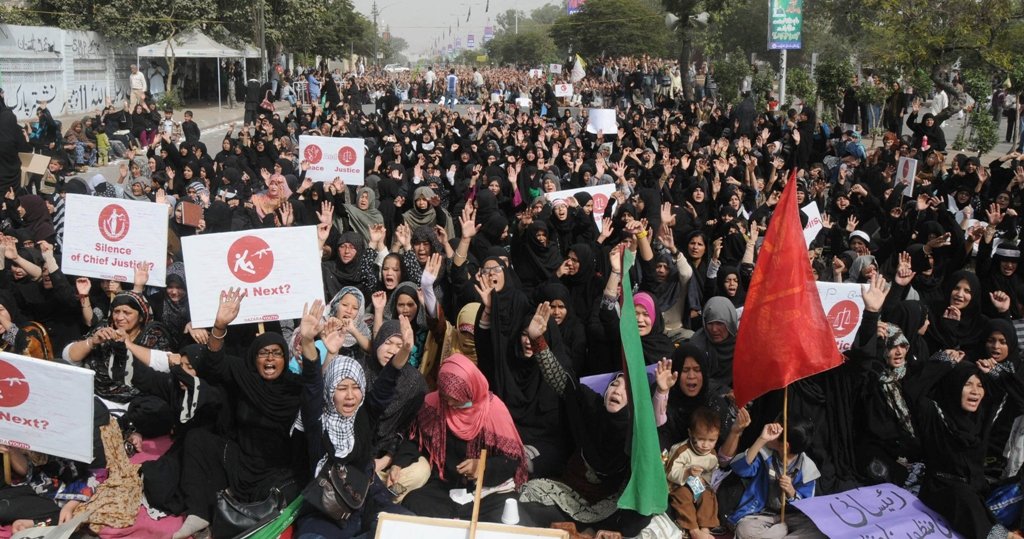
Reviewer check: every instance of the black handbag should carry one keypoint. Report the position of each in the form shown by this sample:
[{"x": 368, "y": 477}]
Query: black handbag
[
  {"x": 233, "y": 517},
  {"x": 338, "y": 491}
]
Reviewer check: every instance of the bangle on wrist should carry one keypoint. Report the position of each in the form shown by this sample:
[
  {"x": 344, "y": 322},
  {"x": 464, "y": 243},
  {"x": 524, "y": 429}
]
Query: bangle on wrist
[
  {"x": 218, "y": 337},
  {"x": 616, "y": 272}
]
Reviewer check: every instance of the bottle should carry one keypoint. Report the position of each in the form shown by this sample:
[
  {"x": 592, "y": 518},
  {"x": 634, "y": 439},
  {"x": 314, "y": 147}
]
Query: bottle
[{"x": 924, "y": 141}]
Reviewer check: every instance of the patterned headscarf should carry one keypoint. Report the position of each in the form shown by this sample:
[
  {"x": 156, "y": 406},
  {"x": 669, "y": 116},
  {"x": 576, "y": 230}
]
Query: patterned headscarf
[
  {"x": 340, "y": 429},
  {"x": 135, "y": 302}
]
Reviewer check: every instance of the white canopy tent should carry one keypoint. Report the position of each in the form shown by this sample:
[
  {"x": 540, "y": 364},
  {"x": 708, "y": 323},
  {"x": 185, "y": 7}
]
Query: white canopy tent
[{"x": 195, "y": 44}]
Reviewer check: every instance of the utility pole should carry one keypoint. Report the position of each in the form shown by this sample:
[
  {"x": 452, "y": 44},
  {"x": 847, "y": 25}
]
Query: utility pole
[
  {"x": 261, "y": 31},
  {"x": 376, "y": 34},
  {"x": 517, "y": 22}
]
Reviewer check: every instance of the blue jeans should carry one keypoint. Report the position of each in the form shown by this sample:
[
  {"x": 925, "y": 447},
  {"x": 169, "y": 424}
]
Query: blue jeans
[{"x": 450, "y": 99}]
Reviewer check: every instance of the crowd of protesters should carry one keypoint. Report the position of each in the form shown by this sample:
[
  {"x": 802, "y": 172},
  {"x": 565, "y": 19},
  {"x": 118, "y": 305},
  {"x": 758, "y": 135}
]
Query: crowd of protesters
[{"x": 461, "y": 308}]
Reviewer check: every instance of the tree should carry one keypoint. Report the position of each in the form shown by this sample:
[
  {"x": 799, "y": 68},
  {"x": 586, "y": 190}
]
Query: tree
[
  {"x": 933, "y": 34},
  {"x": 730, "y": 73},
  {"x": 832, "y": 75},
  {"x": 800, "y": 86},
  {"x": 613, "y": 28},
  {"x": 531, "y": 47}
]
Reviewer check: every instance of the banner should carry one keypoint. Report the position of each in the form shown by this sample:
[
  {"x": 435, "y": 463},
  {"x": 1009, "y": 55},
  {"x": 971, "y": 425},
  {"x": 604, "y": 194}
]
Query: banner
[
  {"x": 470, "y": 41},
  {"x": 555, "y": 69},
  {"x": 563, "y": 90},
  {"x": 536, "y": 73},
  {"x": 602, "y": 120},
  {"x": 813, "y": 222},
  {"x": 878, "y": 511},
  {"x": 785, "y": 23},
  {"x": 600, "y": 194},
  {"x": 46, "y": 406},
  {"x": 573, "y": 6},
  {"x": 906, "y": 172},
  {"x": 844, "y": 308},
  {"x": 488, "y": 33},
  {"x": 278, "y": 270},
  {"x": 333, "y": 157},
  {"x": 106, "y": 238}
]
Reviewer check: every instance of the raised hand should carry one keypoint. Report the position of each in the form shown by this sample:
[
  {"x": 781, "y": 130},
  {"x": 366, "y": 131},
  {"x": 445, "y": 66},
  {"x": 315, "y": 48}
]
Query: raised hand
[
  {"x": 539, "y": 323},
  {"x": 83, "y": 285},
  {"x": 664, "y": 376},
  {"x": 310, "y": 325},
  {"x": 874, "y": 293},
  {"x": 904, "y": 273},
  {"x": 408, "y": 338},
  {"x": 230, "y": 301},
  {"x": 1000, "y": 300},
  {"x": 432, "y": 269},
  {"x": 468, "y": 222},
  {"x": 483, "y": 289},
  {"x": 380, "y": 300},
  {"x": 326, "y": 213}
]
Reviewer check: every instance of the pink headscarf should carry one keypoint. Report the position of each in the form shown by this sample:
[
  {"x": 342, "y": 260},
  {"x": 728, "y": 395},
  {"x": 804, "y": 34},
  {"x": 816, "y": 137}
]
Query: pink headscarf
[{"x": 643, "y": 299}]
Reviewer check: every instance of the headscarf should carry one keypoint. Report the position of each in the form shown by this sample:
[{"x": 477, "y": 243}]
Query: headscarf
[
  {"x": 741, "y": 293},
  {"x": 200, "y": 189},
  {"x": 360, "y": 321},
  {"x": 719, "y": 309},
  {"x": 130, "y": 194},
  {"x": 393, "y": 423},
  {"x": 891, "y": 378},
  {"x": 416, "y": 217},
  {"x": 340, "y": 429},
  {"x": 964, "y": 428},
  {"x": 485, "y": 424},
  {"x": 176, "y": 315},
  {"x": 539, "y": 262},
  {"x": 361, "y": 220},
  {"x": 966, "y": 333},
  {"x": 350, "y": 273},
  {"x": 277, "y": 399},
  {"x": 460, "y": 338},
  {"x": 680, "y": 406},
  {"x": 667, "y": 292},
  {"x": 910, "y": 316},
  {"x": 37, "y": 217},
  {"x": 136, "y": 302}
]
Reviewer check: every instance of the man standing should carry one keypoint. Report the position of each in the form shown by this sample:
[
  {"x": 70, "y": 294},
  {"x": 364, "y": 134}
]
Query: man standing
[
  {"x": 12, "y": 140},
  {"x": 137, "y": 83},
  {"x": 451, "y": 89},
  {"x": 430, "y": 79}
]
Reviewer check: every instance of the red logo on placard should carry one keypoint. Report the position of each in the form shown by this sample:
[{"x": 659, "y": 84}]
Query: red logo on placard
[
  {"x": 313, "y": 154},
  {"x": 844, "y": 317},
  {"x": 600, "y": 203},
  {"x": 347, "y": 156},
  {"x": 250, "y": 259},
  {"x": 13, "y": 386},
  {"x": 114, "y": 223}
]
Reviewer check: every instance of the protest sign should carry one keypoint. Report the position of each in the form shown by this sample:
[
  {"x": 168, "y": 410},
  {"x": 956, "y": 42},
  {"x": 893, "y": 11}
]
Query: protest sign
[
  {"x": 844, "y": 308},
  {"x": 813, "y": 222},
  {"x": 536, "y": 73},
  {"x": 107, "y": 238},
  {"x": 563, "y": 90},
  {"x": 906, "y": 171},
  {"x": 602, "y": 120},
  {"x": 46, "y": 406},
  {"x": 881, "y": 511},
  {"x": 278, "y": 270},
  {"x": 555, "y": 68},
  {"x": 333, "y": 157},
  {"x": 600, "y": 194}
]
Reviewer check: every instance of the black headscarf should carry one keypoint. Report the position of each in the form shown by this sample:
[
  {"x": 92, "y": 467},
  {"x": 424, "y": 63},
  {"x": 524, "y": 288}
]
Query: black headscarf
[
  {"x": 537, "y": 263},
  {"x": 966, "y": 333},
  {"x": 277, "y": 399},
  {"x": 681, "y": 407},
  {"x": 911, "y": 316},
  {"x": 964, "y": 428},
  {"x": 349, "y": 273}
]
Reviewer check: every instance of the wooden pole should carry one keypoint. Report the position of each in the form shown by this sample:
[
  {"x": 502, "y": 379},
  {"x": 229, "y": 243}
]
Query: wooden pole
[
  {"x": 785, "y": 447},
  {"x": 480, "y": 467},
  {"x": 260, "y": 330},
  {"x": 7, "y": 468}
]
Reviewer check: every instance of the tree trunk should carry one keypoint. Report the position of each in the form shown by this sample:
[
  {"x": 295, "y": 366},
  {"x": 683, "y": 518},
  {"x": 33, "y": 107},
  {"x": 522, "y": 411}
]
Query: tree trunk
[
  {"x": 685, "y": 53},
  {"x": 956, "y": 97},
  {"x": 169, "y": 85}
]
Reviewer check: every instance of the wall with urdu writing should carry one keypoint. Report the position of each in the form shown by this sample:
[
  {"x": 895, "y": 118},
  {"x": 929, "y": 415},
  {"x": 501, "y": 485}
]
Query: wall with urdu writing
[{"x": 73, "y": 71}]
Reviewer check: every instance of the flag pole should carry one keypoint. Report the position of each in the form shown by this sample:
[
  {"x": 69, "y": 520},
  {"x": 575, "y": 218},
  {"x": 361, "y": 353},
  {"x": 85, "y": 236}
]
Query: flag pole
[{"x": 785, "y": 447}]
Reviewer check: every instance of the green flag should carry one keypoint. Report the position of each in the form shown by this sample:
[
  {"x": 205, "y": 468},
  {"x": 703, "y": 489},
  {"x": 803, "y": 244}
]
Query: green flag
[
  {"x": 647, "y": 490},
  {"x": 274, "y": 528}
]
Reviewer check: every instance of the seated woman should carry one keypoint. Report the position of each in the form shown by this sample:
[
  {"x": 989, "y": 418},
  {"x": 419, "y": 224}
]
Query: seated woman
[
  {"x": 339, "y": 429},
  {"x": 256, "y": 455},
  {"x": 113, "y": 351},
  {"x": 587, "y": 492},
  {"x": 346, "y": 312},
  {"x": 455, "y": 423}
]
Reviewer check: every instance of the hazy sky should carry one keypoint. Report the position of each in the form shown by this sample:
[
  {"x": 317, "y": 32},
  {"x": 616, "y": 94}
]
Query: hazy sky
[{"x": 419, "y": 22}]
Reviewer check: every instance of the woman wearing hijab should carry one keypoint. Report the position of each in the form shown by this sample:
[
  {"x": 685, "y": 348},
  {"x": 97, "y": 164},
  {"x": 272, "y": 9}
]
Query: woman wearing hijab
[
  {"x": 340, "y": 429},
  {"x": 36, "y": 218},
  {"x": 718, "y": 339},
  {"x": 574, "y": 334},
  {"x": 731, "y": 284},
  {"x": 113, "y": 351},
  {"x": 952, "y": 407},
  {"x": 656, "y": 344},
  {"x": 171, "y": 308},
  {"x": 588, "y": 489},
  {"x": 426, "y": 211},
  {"x": 667, "y": 277},
  {"x": 912, "y": 319},
  {"x": 355, "y": 265},
  {"x": 692, "y": 390},
  {"x": 1002, "y": 348},
  {"x": 255, "y": 455},
  {"x": 957, "y": 319},
  {"x": 582, "y": 276},
  {"x": 536, "y": 255},
  {"x": 455, "y": 423},
  {"x": 406, "y": 302},
  {"x": 698, "y": 256},
  {"x": 362, "y": 215}
]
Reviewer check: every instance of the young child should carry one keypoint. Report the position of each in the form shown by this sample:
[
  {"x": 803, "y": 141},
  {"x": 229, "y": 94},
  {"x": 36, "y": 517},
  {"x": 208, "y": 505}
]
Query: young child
[
  {"x": 102, "y": 146},
  {"x": 689, "y": 471},
  {"x": 757, "y": 515},
  {"x": 190, "y": 128}
]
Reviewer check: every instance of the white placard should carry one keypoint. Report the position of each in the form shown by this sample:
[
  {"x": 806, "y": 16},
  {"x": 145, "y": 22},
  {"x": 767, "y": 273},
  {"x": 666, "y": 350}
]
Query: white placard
[
  {"x": 333, "y": 157},
  {"x": 906, "y": 171},
  {"x": 278, "y": 269},
  {"x": 46, "y": 406},
  {"x": 563, "y": 90},
  {"x": 394, "y": 526},
  {"x": 600, "y": 194},
  {"x": 524, "y": 102},
  {"x": 555, "y": 68},
  {"x": 536, "y": 73},
  {"x": 813, "y": 222},
  {"x": 602, "y": 120},
  {"x": 106, "y": 238},
  {"x": 844, "y": 307}
]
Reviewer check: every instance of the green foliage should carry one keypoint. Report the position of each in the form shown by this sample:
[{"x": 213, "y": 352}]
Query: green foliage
[
  {"x": 17, "y": 15},
  {"x": 612, "y": 28},
  {"x": 874, "y": 94},
  {"x": 170, "y": 100},
  {"x": 985, "y": 133},
  {"x": 800, "y": 85},
  {"x": 977, "y": 83},
  {"x": 832, "y": 75},
  {"x": 730, "y": 73},
  {"x": 528, "y": 47},
  {"x": 763, "y": 83}
]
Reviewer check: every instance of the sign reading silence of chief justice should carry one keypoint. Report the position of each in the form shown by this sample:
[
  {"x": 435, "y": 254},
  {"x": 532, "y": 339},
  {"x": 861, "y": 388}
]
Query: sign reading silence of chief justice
[{"x": 278, "y": 271}]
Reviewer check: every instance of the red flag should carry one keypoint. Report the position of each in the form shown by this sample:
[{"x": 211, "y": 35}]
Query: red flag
[{"x": 784, "y": 335}]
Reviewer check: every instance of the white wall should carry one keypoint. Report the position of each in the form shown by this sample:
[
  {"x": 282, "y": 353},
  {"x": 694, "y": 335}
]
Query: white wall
[{"x": 73, "y": 71}]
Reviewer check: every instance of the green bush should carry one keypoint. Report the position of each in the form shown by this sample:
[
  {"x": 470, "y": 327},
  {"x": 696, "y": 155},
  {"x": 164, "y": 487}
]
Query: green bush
[
  {"x": 986, "y": 132},
  {"x": 730, "y": 73},
  {"x": 799, "y": 84},
  {"x": 832, "y": 76}
]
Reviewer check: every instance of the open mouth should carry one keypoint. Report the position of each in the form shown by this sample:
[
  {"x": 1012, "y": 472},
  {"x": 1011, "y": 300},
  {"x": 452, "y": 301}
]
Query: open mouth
[
  {"x": 614, "y": 400},
  {"x": 692, "y": 387},
  {"x": 973, "y": 402},
  {"x": 269, "y": 370}
]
